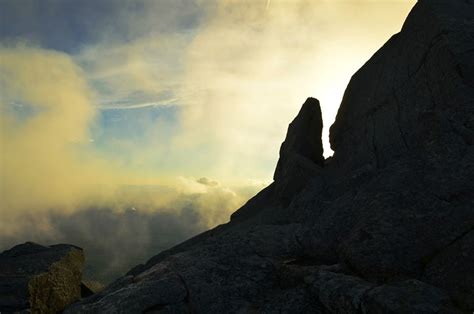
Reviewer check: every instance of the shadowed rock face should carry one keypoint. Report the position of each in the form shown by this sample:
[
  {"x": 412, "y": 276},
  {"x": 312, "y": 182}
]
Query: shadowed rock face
[
  {"x": 384, "y": 226},
  {"x": 303, "y": 138},
  {"x": 301, "y": 160},
  {"x": 414, "y": 96},
  {"x": 40, "y": 279},
  {"x": 301, "y": 154}
]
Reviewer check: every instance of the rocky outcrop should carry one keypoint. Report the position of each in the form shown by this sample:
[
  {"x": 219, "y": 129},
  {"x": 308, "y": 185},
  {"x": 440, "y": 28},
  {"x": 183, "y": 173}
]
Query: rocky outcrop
[
  {"x": 301, "y": 154},
  {"x": 40, "y": 279},
  {"x": 384, "y": 226},
  {"x": 301, "y": 159}
]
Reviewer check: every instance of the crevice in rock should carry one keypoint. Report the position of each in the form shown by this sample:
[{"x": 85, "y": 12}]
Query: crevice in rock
[
  {"x": 352, "y": 271},
  {"x": 399, "y": 123},
  {"x": 303, "y": 261},
  {"x": 459, "y": 71},
  {"x": 427, "y": 261},
  {"x": 430, "y": 90},
  {"x": 434, "y": 41},
  {"x": 154, "y": 308},
  {"x": 298, "y": 242},
  {"x": 373, "y": 142},
  {"x": 257, "y": 253},
  {"x": 187, "y": 298},
  {"x": 458, "y": 131},
  {"x": 363, "y": 298},
  {"x": 442, "y": 199}
]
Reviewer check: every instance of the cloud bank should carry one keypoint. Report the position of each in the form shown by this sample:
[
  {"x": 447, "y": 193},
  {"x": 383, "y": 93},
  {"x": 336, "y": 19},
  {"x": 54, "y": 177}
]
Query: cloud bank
[
  {"x": 46, "y": 111},
  {"x": 118, "y": 236}
]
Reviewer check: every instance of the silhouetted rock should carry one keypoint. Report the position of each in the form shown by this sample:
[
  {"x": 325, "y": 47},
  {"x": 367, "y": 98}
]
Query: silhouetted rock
[
  {"x": 40, "y": 279},
  {"x": 301, "y": 154},
  {"x": 301, "y": 158},
  {"x": 384, "y": 226}
]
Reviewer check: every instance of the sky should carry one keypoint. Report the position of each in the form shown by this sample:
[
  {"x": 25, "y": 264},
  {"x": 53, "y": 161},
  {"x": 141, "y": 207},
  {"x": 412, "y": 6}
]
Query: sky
[{"x": 128, "y": 126}]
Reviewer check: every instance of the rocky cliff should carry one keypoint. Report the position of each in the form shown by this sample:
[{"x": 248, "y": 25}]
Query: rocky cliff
[{"x": 386, "y": 225}]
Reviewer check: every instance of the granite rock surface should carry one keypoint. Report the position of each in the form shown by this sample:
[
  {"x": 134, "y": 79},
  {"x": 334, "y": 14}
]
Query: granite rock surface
[{"x": 40, "y": 279}]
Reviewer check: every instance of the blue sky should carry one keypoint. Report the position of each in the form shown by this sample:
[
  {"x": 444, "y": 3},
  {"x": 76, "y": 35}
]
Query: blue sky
[
  {"x": 72, "y": 26},
  {"x": 69, "y": 25}
]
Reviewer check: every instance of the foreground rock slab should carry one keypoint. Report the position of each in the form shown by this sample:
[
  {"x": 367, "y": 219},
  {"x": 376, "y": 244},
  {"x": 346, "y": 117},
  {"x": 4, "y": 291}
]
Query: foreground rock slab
[{"x": 40, "y": 279}]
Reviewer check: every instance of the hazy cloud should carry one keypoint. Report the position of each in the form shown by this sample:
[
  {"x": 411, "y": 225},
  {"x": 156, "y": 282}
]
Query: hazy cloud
[
  {"x": 207, "y": 181},
  {"x": 113, "y": 241},
  {"x": 44, "y": 159},
  {"x": 135, "y": 224}
]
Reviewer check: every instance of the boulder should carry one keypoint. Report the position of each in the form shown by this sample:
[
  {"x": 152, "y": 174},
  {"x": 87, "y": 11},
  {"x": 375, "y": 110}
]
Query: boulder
[{"x": 40, "y": 279}]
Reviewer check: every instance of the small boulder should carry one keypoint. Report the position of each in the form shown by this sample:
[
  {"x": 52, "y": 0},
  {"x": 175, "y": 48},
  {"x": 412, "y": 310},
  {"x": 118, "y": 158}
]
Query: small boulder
[{"x": 41, "y": 279}]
